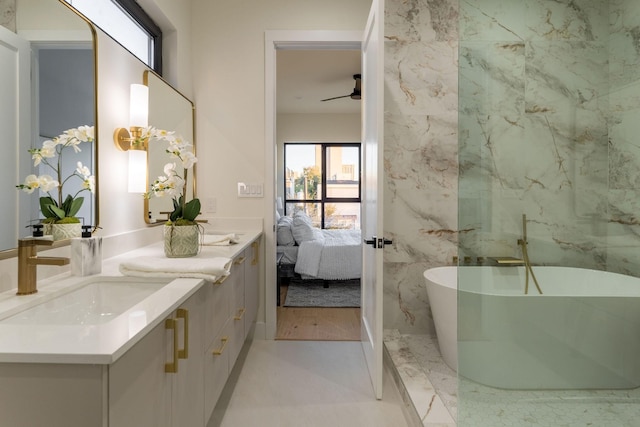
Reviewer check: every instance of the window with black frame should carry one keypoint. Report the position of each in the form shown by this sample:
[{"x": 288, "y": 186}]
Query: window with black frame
[
  {"x": 323, "y": 180},
  {"x": 128, "y": 24}
]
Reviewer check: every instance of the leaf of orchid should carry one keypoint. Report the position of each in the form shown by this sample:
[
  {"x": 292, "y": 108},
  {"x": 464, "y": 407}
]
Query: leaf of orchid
[
  {"x": 57, "y": 212},
  {"x": 45, "y": 204},
  {"x": 191, "y": 210},
  {"x": 177, "y": 211},
  {"x": 75, "y": 206}
]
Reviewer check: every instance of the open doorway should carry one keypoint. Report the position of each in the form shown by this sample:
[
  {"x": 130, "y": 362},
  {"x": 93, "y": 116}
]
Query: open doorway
[{"x": 317, "y": 170}]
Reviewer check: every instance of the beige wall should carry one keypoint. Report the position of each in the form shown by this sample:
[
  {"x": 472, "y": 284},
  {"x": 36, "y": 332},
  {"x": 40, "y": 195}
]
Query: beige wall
[{"x": 229, "y": 67}]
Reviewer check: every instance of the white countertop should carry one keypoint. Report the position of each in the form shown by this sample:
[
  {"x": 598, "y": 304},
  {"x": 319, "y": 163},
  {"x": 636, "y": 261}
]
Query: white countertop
[{"x": 98, "y": 343}]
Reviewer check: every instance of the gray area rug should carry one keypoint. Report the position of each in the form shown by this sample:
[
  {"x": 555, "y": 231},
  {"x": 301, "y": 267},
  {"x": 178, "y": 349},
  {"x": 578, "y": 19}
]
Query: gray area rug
[{"x": 312, "y": 293}]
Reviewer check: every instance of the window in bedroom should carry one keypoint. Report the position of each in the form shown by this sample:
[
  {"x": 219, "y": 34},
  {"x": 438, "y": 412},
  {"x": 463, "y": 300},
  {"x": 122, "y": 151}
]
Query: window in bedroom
[
  {"x": 128, "y": 24},
  {"x": 323, "y": 180}
]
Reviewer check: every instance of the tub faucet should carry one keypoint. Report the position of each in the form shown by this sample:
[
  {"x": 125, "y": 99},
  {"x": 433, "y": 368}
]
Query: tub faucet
[
  {"x": 28, "y": 260},
  {"x": 525, "y": 256}
]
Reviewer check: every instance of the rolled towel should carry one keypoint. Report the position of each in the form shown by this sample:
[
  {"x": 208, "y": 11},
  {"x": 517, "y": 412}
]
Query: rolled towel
[
  {"x": 200, "y": 268},
  {"x": 219, "y": 239}
]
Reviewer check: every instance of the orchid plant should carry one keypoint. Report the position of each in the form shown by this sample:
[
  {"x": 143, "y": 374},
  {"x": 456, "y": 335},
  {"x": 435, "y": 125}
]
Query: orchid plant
[
  {"x": 58, "y": 208},
  {"x": 174, "y": 181}
]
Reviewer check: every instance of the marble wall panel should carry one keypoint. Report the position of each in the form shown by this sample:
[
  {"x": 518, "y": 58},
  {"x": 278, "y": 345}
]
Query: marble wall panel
[
  {"x": 421, "y": 20},
  {"x": 624, "y": 42},
  {"x": 421, "y": 167},
  {"x": 546, "y": 117},
  {"x": 8, "y": 14},
  {"x": 420, "y": 77}
]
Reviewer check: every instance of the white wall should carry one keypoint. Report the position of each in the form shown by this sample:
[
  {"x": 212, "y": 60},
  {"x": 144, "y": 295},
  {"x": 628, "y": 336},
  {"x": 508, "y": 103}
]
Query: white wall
[{"x": 228, "y": 46}]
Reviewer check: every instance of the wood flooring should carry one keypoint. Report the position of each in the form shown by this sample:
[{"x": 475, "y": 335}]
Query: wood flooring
[{"x": 317, "y": 323}]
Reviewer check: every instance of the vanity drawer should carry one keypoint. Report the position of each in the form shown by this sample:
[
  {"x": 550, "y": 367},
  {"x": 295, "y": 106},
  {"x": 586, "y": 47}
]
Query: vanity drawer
[
  {"x": 218, "y": 300},
  {"x": 216, "y": 368}
]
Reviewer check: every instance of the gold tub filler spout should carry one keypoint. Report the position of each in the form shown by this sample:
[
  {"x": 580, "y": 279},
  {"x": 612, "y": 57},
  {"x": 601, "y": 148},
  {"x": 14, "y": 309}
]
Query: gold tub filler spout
[{"x": 525, "y": 256}]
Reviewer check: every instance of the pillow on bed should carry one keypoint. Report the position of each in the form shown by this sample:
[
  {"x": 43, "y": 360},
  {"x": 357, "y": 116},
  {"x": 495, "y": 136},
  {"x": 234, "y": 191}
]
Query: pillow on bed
[
  {"x": 284, "y": 234},
  {"x": 302, "y": 217},
  {"x": 303, "y": 230}
]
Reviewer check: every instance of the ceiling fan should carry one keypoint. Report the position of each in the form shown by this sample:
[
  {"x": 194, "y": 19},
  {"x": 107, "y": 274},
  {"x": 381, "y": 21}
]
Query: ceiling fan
[{"x": 356, "y": 90}]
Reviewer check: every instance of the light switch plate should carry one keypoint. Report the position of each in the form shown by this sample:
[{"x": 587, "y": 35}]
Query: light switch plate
[{"x": 250, "y": 189}]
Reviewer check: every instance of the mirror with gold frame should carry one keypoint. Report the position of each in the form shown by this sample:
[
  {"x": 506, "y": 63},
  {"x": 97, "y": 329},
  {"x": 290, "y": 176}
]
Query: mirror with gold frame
[
  {"x": 172, "y": 111},
  {"x": 54, "y": 90}
]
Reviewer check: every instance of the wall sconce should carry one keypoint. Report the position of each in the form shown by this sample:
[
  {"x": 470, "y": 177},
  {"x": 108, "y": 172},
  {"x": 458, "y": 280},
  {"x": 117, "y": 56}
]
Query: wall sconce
[{"x": 132, "y": 141}]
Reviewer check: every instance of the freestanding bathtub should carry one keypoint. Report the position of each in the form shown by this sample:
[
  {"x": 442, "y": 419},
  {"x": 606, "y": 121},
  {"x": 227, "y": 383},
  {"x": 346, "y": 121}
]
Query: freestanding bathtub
[{"x": 582, "y": 333}]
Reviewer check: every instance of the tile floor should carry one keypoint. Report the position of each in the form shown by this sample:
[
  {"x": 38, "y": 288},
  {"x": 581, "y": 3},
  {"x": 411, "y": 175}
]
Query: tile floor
[
  {"x": 305, "y": 383},
  {"x": 432, "y": 385}
]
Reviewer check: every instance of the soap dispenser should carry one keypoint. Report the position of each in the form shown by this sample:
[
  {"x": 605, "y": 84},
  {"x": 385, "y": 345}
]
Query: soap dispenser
[{"x": 86, "y": 253}]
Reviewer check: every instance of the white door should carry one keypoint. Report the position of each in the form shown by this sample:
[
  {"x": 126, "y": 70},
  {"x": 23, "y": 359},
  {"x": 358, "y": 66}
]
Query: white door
[
  {"x": 372, "y": 203},
  {"x": 15, "y": 122}
]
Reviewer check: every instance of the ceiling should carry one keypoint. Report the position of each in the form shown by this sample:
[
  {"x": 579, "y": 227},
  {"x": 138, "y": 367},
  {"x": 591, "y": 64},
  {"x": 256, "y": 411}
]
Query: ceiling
[{"x": 305, "y": 77}]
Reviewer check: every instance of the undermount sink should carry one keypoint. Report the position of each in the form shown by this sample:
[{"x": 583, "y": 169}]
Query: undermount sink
[{"x": 96, "y": 302}]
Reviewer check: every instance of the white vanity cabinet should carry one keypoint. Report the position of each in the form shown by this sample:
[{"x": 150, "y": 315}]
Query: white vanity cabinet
[
  {"x": 158, "y": 382},
  {"x": 137, "y": 390},
  {"x": 239, "y": 291},
  {"x": 171, "y": 376},
  {"x": 251, "y": 278}
]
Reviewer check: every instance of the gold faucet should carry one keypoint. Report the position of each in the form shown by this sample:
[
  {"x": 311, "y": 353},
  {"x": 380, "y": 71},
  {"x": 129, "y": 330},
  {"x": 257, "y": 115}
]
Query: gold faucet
[
  {"x": 525, "y": 256},
  {"x": 28, "y": 260}
]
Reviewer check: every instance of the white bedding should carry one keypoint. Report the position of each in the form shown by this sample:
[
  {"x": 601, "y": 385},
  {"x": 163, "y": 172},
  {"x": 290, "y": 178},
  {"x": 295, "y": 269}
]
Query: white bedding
[{"x": 336, "y": 256}]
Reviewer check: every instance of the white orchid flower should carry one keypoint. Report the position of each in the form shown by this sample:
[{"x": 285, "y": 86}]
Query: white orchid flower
[
  {"x": 188, "y": 159},
  {"x": 89, "y": 183},
  {"x": 83, "y": 170},
  {"x": 164, "y": 134},
  {"x": 71, "y": 141},
  {"x": 47, "y": 183},
  {"x": 158, "y": 186},
  {"x": 48, "y": 150},
  {"x": 174, "y": 186},
  {"x": 52, "y": 148},
  {"x": 85, "y": 133},
  {"x": 170, "y": 169},
  {"x": 33, "y": 182}
]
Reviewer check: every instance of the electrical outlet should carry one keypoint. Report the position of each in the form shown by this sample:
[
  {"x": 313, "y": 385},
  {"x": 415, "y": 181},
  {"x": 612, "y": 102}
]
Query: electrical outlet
[{"x": 210, "y": 204}]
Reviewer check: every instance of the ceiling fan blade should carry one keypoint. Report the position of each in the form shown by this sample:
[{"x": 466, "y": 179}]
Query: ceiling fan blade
[{"x": 336, "y": 97}]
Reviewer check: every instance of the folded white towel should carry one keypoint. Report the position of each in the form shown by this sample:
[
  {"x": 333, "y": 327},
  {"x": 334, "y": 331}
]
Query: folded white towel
[
  {"x": 219, "y": 239},
  {"x": 200, "y": 268}
]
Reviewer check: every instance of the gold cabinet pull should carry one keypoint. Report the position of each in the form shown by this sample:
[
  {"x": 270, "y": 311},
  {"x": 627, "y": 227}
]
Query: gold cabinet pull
[
  {"x": 173, "y": 366},
  {"x": 183, "y": 313},
  {"x": 239, "y": 260},
  {"x": 240, "y": 314},
  {"x": 224, "y": 341},
  {"x": 256, "y": 256},
  {"x": 221, "y": 280}
]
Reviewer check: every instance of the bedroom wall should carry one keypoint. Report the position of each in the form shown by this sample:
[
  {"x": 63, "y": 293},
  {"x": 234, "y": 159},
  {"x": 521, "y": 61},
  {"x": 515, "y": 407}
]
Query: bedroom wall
[{"x": 312, "y": 128}]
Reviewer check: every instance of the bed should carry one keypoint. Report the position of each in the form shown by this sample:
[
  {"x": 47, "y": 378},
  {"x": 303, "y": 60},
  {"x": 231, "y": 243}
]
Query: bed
[{"x": 318, "y": 254}]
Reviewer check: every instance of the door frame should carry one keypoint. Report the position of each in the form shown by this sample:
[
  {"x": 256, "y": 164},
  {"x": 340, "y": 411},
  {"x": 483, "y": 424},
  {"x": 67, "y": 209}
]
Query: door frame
[{"x": 279, "y": 40}]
